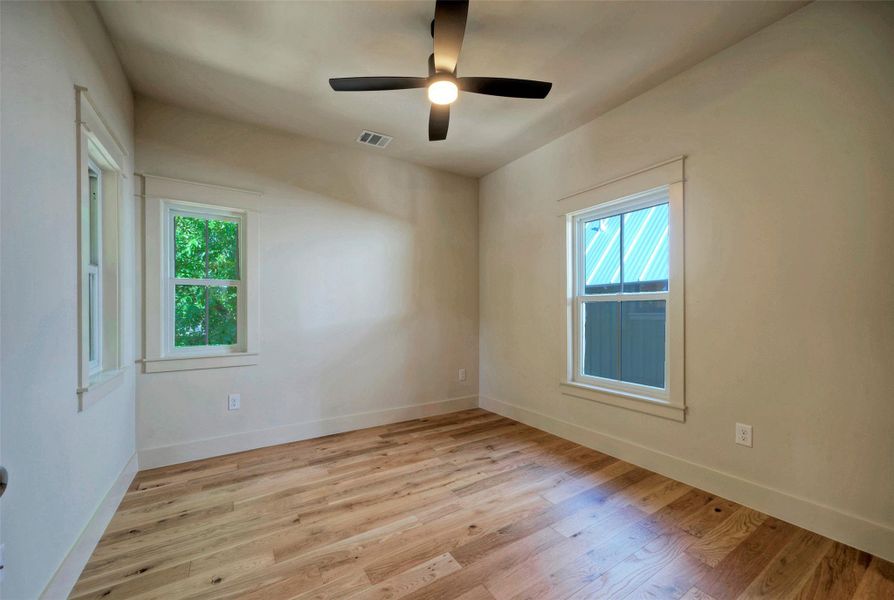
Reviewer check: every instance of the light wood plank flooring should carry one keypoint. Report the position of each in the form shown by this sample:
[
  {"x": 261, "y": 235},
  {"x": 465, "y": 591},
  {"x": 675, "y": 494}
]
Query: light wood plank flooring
[{"x": 468, "y": 506}]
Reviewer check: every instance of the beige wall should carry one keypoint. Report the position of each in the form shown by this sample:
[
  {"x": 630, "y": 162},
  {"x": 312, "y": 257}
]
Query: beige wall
[
  {"x": 789, "y": 271},
  {"x": 61, "y": 462},
  {"x": 369, "y": 289},
  {"x": 370, "y": 280}
]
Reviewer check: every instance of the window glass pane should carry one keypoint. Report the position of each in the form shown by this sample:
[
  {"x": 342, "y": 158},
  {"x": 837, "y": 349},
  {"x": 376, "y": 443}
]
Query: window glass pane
[
  {"x": 222, "y": 305},
  {"x": 189, "y": 316},
  {"x": 94, "y": 217},
  {"x": 601, "y": 339},
  {"x": 223, "y": 249},
  {"x": 645, "y": 249},
  {"x": 602, "y": 256},
  {"x": 642, "y": 342},
  {"x": 92, "y": 297},
  {"x": 189, "y": 247}
]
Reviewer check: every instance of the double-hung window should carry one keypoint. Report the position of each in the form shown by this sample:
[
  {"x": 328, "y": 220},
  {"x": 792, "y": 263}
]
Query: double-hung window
[
  {"x": 201, "y": 286},
  {"x": 101, "y": 165},
  {"x": 204, "y": 284},
  {"x": 626, "y": 313},
  {"x": 94, "y": 268}
]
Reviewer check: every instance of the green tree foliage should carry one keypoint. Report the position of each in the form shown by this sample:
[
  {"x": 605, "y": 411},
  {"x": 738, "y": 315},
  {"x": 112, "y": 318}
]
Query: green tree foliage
[
  {"x": 205, "y": 249},
  {"x": 222, "y": 315},
  {"x": 223, "y": 250},
  {"x": 189, "y": 248},
  {"x": 189, "y": 315}
]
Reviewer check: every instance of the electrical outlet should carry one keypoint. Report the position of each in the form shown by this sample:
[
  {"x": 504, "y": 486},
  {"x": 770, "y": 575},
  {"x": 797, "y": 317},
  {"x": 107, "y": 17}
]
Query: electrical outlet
[
  {"x": 233, "y": 402},
  {"x": 462, "y": 374},
  {"x": 743, "y": 434}
]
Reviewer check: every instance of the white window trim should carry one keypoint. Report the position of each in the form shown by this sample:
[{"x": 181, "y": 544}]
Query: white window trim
[
  {"x": 98, "y": 147},
  {"x": 163, "y": 197},
  {"x": 593, "y": 203}
]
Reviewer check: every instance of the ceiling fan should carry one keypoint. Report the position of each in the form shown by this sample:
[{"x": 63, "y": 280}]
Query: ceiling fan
[{"x": 447, "y": 29}]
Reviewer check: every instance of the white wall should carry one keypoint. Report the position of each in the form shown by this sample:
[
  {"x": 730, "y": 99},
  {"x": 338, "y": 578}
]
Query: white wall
[
  {"x": 369, "y": 289},
  {"x": 61, "y": 462},
  {"x": 789, "y": 271}
]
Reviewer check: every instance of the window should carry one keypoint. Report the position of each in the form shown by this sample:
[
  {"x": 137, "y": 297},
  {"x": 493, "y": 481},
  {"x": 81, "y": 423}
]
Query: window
[
  {"x": 622, "y": 295},
  {"x": 94, "y": 269},
  {"x": 201, "y": 276},
  {"x": 204, "y": 284},
  {"x": 101, "y": 163},
  {"x": 626, "y": 299}
]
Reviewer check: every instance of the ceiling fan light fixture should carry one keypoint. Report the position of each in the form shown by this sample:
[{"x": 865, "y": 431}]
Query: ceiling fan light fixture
[
  {"x": 447, "y": 31},
  {"x": 443, "y": 91}
]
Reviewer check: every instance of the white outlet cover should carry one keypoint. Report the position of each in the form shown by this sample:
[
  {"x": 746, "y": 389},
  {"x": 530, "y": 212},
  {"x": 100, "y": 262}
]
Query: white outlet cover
[
  {"x": 462, "y": 374},
  {"x": 743, "y": 435},
  {"x": 234, "y": 402}
]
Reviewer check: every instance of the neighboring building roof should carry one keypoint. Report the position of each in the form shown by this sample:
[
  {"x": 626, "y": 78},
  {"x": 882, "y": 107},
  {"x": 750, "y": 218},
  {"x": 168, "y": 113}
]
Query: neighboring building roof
[{"x": 645, "y": 247}]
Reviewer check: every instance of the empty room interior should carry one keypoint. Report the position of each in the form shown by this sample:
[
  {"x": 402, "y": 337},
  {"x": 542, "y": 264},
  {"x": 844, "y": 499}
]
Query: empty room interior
[{"x": 446, "y": 300}]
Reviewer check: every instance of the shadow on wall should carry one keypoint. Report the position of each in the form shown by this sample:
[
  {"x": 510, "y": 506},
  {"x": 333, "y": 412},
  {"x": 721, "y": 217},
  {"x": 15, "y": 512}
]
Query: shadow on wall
[
  {"x": 239, "y": 152},
  {"x": 368, "y": 275}
]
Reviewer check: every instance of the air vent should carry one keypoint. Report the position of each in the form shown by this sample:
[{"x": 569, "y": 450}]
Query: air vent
[{"x": 371, "y": 138}]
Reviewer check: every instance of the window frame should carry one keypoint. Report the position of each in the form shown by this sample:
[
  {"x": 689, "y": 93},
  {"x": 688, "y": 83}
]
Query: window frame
[
  {"x": 157, "y": 194},
  {"x": 98, "y": 150},
  {"x": 174, "y": 209},
  {"x": 666, "y": 402}
]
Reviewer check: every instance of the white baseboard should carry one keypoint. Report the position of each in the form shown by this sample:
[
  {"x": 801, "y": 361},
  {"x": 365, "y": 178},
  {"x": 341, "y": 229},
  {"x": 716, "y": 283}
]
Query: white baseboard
[
  {"x": 249, "y": 440},
  {"x": 875, "y": 538},
  {"x": 67, "y": 574}
]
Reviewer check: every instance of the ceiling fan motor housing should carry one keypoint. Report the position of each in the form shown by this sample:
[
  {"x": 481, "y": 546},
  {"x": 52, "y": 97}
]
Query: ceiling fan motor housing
[
  {"x": 431, "y": 67},
  {"x": 436, "y": 77}
]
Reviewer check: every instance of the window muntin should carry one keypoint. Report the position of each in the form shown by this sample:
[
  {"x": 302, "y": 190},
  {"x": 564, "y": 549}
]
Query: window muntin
[
  {"x": 94, "y": 269},
  {"x": 621, "y": 294},
  {"x": 205, "y": 284}
]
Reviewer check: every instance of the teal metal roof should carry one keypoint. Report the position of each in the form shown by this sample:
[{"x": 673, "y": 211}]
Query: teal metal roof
[{"x": 645, "y": 247}]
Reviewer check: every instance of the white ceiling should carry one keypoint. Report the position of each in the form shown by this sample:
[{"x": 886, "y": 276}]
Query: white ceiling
[{"x": 269, "y": 63}]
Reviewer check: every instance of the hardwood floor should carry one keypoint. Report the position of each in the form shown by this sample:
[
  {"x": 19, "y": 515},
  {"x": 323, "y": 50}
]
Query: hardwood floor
[{"x": 467, "y": 506}]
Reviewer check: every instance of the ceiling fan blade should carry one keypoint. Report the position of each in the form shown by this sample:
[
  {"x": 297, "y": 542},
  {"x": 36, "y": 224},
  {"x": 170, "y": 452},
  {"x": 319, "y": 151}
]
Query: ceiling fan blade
[
  {"x": 449, "y": 29},
  {"x": 502, "y": 86},
  {"x": 371, "y": 84},
  {"x": 438, "y": 120}
]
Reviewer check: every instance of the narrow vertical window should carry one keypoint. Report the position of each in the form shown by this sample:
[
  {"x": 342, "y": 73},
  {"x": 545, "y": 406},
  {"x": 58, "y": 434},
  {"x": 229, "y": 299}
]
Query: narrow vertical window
[
  {"x": 94, "y": 270},
  {"x": 101, "y": 161}
]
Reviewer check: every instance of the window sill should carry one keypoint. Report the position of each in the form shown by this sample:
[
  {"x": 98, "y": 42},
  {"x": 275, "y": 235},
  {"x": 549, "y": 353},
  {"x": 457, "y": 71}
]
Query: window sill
[
  {"x": 101, "y": 385},
  {"x": 621, "y": 399},
  {"x": 193, "y": 363}
]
